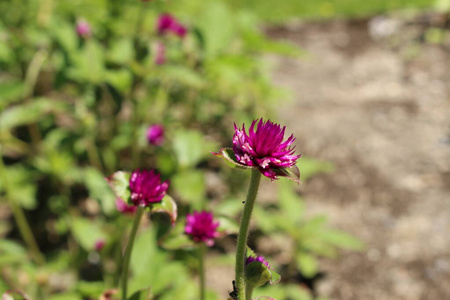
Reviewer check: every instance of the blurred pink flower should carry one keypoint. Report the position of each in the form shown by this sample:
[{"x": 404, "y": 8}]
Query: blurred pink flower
[
  {"x": 201, "y": 227},
  {"x": 83, "y": 29},
  {"x": 167, "y": 23},
  {"x": 99, "y": 244},
  {"x": 155, "y": 134}
]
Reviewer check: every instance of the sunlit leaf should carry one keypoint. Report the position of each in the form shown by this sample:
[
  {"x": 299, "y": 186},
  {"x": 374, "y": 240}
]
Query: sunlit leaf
[{"x": 168, "y": 206}]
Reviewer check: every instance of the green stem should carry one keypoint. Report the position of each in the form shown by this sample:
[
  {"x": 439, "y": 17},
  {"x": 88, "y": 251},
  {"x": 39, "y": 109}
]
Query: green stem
[
  {"x": 248, "y": 292},
  {"x": 243, "y": 233},
  {"x": 201, "y": 269},
  {"x": 137, "y": 219},
  {"x": 21, "y": 220}
]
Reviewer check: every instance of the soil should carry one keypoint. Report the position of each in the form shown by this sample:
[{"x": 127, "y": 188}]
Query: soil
[{"x": 372, "y": 96}]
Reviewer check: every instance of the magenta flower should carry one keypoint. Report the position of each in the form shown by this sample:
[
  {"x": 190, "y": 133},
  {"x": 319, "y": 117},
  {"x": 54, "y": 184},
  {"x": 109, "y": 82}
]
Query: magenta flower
[
  {"x": 167, "y": 23},
  {"x": 259, "y": 258},
  {"x": 146, "y": 187},
  {"x": 201, "y": 227},
  {"x": 99, "y": 244},
  {"x": 160, "y": 55},
  {"x": 125, "y": 208},
  {"x": 264, "y": 148},
  {"x": 155, "y": 135},
  {"x": 83, "y": 29}
]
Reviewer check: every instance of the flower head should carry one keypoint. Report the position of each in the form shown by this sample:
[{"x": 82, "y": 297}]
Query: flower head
[
  {"x": 201, "y": 227},
  {"x": 259, "y": 258},
  {"x": 125, "y": 208},
  {"x": 83, "y": 29},
  {"x": 167, "y": 23},
  {"x": 146, "y": 187},
  {"x": 155, "y": 135},
  {"x": 264, "y": 148}
]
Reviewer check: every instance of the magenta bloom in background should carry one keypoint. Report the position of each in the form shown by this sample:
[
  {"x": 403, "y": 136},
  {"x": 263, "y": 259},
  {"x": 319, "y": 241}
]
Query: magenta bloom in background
[
  {"x": 99, "y": 244},
  {"x": 146, "y": 187},
  {"x": 264, "y": 147},
  {"x": 83, "y": 29},
  {"x": 125, "y": 208},
  {"x": 167, "y": 23},
  {"x": 155, "y": 135},
  {"x": 259, "y": 258},
  {"x": 201, "y": 227}
]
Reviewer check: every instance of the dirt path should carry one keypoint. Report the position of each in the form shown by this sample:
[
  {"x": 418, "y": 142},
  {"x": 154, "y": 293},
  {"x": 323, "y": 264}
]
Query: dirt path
[{"x": 380, "y": 110}]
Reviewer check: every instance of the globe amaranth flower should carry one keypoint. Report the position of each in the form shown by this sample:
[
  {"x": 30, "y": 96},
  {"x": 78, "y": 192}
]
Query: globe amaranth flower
[
  {"x": 99, "y": 244},
  {"x": 264, "y": 147},
  {"x": 167, "y": 23},
  {"x": 259, "y": 258},
  {"x": 155, "y": 135},
  {"x": 83, "y": 29},
  {"x": 146, "y": 187},
  {"x": 122, "y": 207},
  {"x": 201, "y": 227}
]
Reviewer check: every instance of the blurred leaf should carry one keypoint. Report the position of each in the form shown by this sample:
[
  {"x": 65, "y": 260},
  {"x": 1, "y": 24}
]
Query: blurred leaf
[
  {"x": 87, "y": 233},
  {"x": 177, "y": 239},
  {"x": 341, "y": 239},
  {"x": 10, "y": 91},
  {"x": 30, "y": 112},
  {"x": 21, "y": 186},
  {"x": 119, "y": 79},
  {"x": 184, "y": 75},
  {"x": 217, "y": 27},
  {"x": 190, "y": 147},
  {"x": 90, "y": 288},
  {"x": 66, "y": 296},
  {"x": 228, "y": 155},
  {"x": 119, "y": 183},
  {"x": 190, "y": 186},
  {"x": 15, "y": 295},
  {"x": 310, "y": 167},
  {"x": 168, "y": 206},
  {"x": 89, "y": 63},
  {"x": 121, "y": 51},
  {"x": 291, "y": 205},
  {"x": 307, "y": 264},
  {"x": 99, "y": 189},
  {"x": 227, "y": 225},
  {"x": 11, "y": 253}
]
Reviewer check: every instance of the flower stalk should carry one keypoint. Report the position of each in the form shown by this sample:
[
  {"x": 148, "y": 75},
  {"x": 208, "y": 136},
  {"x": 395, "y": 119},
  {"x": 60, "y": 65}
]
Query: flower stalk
[
  {"x": 243, "y": 234},
  {"x": 201, "y": 269},
  {"x": 128, "y": 250}
]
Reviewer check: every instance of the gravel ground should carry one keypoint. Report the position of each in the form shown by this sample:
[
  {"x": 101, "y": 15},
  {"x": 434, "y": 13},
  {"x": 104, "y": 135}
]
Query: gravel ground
[{"x": 373, "y": 98}]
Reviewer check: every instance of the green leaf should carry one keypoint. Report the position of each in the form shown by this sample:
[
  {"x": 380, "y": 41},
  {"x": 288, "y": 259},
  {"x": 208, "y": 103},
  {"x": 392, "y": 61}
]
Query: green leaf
[
  {"x": 99, "y": 190},
  {"x": 292, "y": 173},
  {"x": 307, "y": 264},
  {"x": 190, "y": 147},
  {"x": 291, "y": 205},
  {"x": 311, "y": 167},
  {"x": 257, "y": 274},
  {"x": 167, "y": 205},
  {"x": 10, "y": 91},
  {"x": 228, "y": 155},
  {"x": 30, "y": 112},
  {"x": 227, "y": 225},
  {"x": 11, "y": 253},
  {"x": 341, "y": 239},
  {"x": 177, "y": 239},
  {"x": 14, "y": 295},
  {"x": 119, "y": 183},
  {"x": 190, "y": 186},
  {"x": 87, "y": 233},
  {"x": 185, "y": 76}
]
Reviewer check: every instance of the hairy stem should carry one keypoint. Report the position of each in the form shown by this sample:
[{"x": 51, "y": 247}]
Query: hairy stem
[{"x": 243, "y": 233}]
